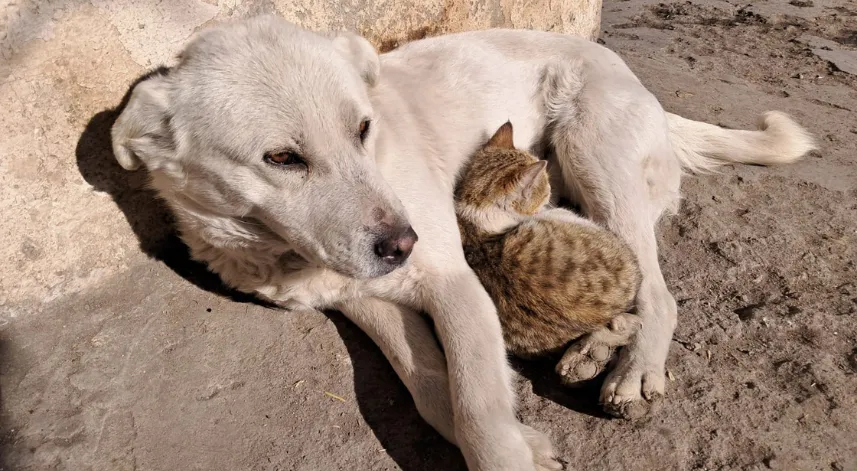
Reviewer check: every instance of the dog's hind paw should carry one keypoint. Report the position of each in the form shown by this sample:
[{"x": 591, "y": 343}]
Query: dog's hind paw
[
  {"x": 588, "y": 357},
  {"x": 540, "y": 444},
  {"x": 631, "y": 389}
]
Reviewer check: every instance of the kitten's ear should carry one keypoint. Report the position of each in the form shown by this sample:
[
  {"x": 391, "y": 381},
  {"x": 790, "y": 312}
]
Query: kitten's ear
[
  {"x": 530, "y": 179},
  {"x": 502, "y": 138}
]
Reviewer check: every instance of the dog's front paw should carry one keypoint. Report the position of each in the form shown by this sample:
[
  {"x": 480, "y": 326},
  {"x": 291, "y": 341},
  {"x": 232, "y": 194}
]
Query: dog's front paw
[
  {"x": 632, "y": 387},
  {"x": 543, "y": 454}
]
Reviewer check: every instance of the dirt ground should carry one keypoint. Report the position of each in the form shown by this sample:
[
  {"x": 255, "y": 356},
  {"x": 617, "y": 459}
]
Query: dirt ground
[{"x": 157, "y": 368}]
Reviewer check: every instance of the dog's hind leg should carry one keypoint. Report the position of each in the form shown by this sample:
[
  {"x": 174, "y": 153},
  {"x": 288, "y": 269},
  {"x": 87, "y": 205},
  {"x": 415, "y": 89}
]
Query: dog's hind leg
[
  {"x": 620, "y": 202},
  {"x": 611, "y": 142}
]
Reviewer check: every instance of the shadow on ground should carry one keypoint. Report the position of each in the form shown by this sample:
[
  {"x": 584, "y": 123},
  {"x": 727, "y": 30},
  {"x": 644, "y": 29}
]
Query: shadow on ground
[
  {"x": 388, "y": 409},
  {"x": 545, "y": 382}
]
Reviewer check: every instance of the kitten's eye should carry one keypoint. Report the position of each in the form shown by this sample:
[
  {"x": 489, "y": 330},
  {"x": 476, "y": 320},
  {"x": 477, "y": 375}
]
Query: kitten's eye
[
  {"x": 364, "y": 130},
  {"x": 283, "y": 158}
]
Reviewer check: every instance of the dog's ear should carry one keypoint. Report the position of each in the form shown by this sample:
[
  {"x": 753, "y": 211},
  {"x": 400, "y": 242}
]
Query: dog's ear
[
  {"x": 502, "y": 138},
  {"x": 141, "y": 133},
  {"x": 361, "y": 53}
]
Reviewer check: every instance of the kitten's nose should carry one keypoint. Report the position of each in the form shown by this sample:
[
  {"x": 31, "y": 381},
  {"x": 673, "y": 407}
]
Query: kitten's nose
[{"x": 395, "y": 248}]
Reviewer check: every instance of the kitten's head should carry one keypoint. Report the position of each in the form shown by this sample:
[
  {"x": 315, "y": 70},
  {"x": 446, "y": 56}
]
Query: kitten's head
[{"x": 501, "y": 185}]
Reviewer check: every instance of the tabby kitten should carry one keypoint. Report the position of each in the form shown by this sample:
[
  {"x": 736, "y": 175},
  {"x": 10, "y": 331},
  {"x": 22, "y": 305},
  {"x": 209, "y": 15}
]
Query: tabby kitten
[{"x": 554, "y": 276}]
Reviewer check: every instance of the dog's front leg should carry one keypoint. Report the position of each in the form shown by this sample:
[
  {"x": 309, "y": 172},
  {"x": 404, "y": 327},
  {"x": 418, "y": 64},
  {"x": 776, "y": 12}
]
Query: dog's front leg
[
  {"x": 467, "y": 325},
  {"x": 617, "y": 162},
  {"x": 408, "y": 342}
]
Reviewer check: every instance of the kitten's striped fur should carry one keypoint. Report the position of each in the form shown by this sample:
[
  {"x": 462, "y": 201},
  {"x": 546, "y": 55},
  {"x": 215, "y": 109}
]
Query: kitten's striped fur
[{"x": 552, "y": 280}]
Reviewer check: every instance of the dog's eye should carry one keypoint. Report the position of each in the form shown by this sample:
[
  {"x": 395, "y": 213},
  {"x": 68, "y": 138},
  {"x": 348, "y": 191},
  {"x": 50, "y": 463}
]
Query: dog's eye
[
  {"x": 364, "y": 129},
  {"x": 284, "y": 158}
]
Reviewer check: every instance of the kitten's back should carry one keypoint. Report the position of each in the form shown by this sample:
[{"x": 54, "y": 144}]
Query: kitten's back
[{"x": 557, "y": 281}]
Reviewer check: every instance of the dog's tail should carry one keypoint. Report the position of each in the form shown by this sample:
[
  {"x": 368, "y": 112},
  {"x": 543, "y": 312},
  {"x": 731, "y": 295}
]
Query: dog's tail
[{"x": 702, "y": 147}]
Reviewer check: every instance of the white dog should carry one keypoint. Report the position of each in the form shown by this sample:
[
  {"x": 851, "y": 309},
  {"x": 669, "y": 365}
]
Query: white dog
[{"x": 302, "y": 167}]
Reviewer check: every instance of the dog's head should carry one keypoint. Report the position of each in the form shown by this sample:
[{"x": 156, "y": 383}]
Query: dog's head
[{"x": 266, "y": 125}]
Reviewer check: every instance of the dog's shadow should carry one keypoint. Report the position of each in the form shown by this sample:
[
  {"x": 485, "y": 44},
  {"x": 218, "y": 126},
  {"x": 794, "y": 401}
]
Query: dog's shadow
[
  {"x": 388, "y": 408},
  {"x": 546, "y": 384}
]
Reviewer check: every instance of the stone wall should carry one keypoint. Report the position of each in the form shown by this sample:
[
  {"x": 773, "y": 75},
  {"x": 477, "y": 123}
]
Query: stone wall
[{"x": 389, "y": 22}]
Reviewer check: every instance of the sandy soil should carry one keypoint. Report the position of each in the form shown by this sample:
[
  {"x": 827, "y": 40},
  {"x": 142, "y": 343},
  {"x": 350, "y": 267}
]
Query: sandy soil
[{"x": 160, "y": 369}]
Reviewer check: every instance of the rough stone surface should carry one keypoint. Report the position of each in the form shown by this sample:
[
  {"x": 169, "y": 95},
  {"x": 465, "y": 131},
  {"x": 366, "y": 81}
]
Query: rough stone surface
[{"x": 117, "y": 353}]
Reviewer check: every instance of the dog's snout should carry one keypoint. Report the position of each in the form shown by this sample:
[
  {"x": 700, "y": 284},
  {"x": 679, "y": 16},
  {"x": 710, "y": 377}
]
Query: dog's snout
[
  {"x": 394, "y": 248},
  {"x": 380, "y": 216}
]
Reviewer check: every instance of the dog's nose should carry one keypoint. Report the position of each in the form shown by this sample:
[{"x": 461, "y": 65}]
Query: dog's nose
[{"x": 395, "y": 248}]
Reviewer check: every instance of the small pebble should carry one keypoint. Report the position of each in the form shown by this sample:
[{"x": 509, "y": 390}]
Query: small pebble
[{"x": 771, "y": 462}]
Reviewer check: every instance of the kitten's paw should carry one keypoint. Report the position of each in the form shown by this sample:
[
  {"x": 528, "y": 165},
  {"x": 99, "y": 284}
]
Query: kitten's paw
[
  {"x": 583, "y": 361},
  {"x": 632, "y": 387},
  {"x": 588, "y": 357},
  {"x": 540, "y": 444}
]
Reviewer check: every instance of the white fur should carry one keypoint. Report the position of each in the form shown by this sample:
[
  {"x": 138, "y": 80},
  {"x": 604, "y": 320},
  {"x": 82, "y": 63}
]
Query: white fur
[
  {"x": 303, "y": 236},
  {"x": 493, "y": 219},
  {"x": 703, "y": 147}
]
